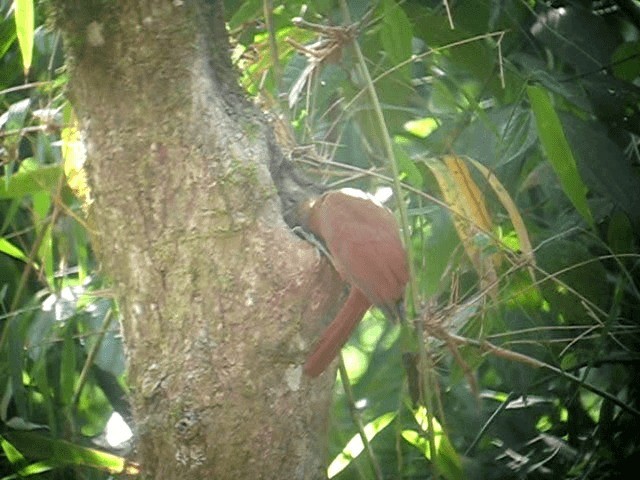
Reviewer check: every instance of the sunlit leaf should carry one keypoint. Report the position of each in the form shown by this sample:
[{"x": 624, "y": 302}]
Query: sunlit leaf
[
  {"x": 24, "y": 16},
  {"x": 355, "y": 446},
  {"x": 10, "y": 249},
  {"x": 446, "y": 459},
  {"x": 422, "y": 127},
  {"x": 74, "y": 156},
  {"x": 12, "y": 453},
  {"x": 62, "y": 453}
]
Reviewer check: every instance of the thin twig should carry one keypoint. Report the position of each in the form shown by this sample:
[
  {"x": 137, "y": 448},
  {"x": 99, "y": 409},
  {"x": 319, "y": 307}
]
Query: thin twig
[
  {"x": 82, "y": 379},
  {"x": 489, "y": 347},
  {"x": 355, "y": 416}
]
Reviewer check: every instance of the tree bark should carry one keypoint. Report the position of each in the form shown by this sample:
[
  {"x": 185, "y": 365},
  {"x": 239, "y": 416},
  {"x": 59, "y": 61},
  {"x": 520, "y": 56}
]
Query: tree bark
[{"x": 219, "y": 300}]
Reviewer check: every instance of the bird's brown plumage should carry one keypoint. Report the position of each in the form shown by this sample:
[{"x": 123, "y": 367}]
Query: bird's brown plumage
[{"x": 362, "y": 238}]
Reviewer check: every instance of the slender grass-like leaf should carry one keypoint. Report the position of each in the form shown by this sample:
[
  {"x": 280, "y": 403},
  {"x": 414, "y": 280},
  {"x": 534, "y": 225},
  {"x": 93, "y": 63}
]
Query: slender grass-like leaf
[
  {"x": 61, "y": 453},
  {"x": 512, "y": 211},
  {"x": 10, "y": 249},
  {"x": 24, "y": 17},
  {"x": 558, "y": 150},
  {"x": 354, "y": 447},
  {"x": 470, "y": 215}
]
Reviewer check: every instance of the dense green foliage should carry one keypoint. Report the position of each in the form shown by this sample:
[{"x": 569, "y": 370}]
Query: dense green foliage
[{"x": 514, "y": 130}]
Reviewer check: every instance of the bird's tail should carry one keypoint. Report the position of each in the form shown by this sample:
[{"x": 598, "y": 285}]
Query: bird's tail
[{"x": 337, "y": 333}]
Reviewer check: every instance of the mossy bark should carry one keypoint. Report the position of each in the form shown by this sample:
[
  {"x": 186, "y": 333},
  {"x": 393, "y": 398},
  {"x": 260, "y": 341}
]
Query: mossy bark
[{"x": 219, "y": 301}]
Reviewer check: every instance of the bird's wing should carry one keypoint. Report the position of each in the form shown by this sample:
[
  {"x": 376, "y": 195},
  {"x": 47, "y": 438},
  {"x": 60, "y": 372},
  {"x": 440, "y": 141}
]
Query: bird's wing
[{"x": 363, "y": 240}]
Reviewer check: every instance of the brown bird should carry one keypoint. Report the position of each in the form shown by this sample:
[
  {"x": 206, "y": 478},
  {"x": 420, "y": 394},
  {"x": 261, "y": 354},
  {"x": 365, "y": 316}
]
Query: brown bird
[{"x": 362, "y": 239}]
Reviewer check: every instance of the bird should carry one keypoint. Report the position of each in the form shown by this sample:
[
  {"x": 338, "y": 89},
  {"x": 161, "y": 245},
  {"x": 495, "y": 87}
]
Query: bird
[{"x": 362, "y": 239}]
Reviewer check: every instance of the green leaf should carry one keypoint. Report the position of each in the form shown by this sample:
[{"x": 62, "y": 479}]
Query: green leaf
[
  {"x": 446, "y": 459},
  {"x": 406, "y": 166},
  {"x": 16, "y": 353},
  {"x": 10, "y": 249},
  {"x": 68, "y": 365},
  {"x": 24, "y": 28},
  {"x": 11, "y": 452},
  {"x": 29, "y": 182},
  {"x": 248, "y": 12},
  {"x": 421, "y": 127},
  {"x": 608, "y": 172},
  {"x": 625, "y": 61},
  {"x": 36, "y": 468},
  {"x": 620, "y": 233},
  {"x": 7, "y": 36},
  {"x": 41, "y": 205},
  {"x": 396, "y": 34},
  {"x": 60, "y": 453},
  {"x": 355, "y": 446},
  {"x": 558, "y": 151}
]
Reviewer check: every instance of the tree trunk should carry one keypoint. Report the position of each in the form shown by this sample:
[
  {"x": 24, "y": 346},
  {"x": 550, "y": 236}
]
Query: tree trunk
[{"x": 219, "y": 300}]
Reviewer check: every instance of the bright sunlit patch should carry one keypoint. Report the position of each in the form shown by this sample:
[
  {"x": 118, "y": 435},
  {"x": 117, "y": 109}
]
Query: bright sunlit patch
[
  {"x": 117, "y": 431},
  {"x": 422, "y": 127},
  {"x": 355, "y": 361},
  {"x": 444, "y": 453},
  {"x": 355, "y": 446},
  {"x": 63, "y": 304},
  {"x": 510, "y": 240},
  {"x": 382, "y": 194},
  {"x": 360, "y": 404},
  {"x": 371, "y": 331},
  {"x": 354, "y": 192}
]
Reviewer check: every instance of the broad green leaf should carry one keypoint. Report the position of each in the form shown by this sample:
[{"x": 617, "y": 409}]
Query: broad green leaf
[
  {"x": 24, "y": 28},
  {"x": 558, "y": 151},
  {"x": 29, "y": 182},
  {"x": 625, "y": 61},
  {"x": 620, "y": 233},
  {"x": 248, "y": 11},
  {"x": 396, "y": 34},
  {"x": 608, "y": 172}
]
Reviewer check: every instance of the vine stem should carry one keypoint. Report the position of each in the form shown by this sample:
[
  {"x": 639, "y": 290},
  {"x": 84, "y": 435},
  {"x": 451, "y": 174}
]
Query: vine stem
[
  {"x": 404, "y": 221},
  {"x": 348, "y": 391}
]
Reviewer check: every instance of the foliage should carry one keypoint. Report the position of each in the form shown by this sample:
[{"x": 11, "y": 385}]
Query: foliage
[
  {"x": 513, "y": 127},
  {"x": 508, "y": 132}
]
